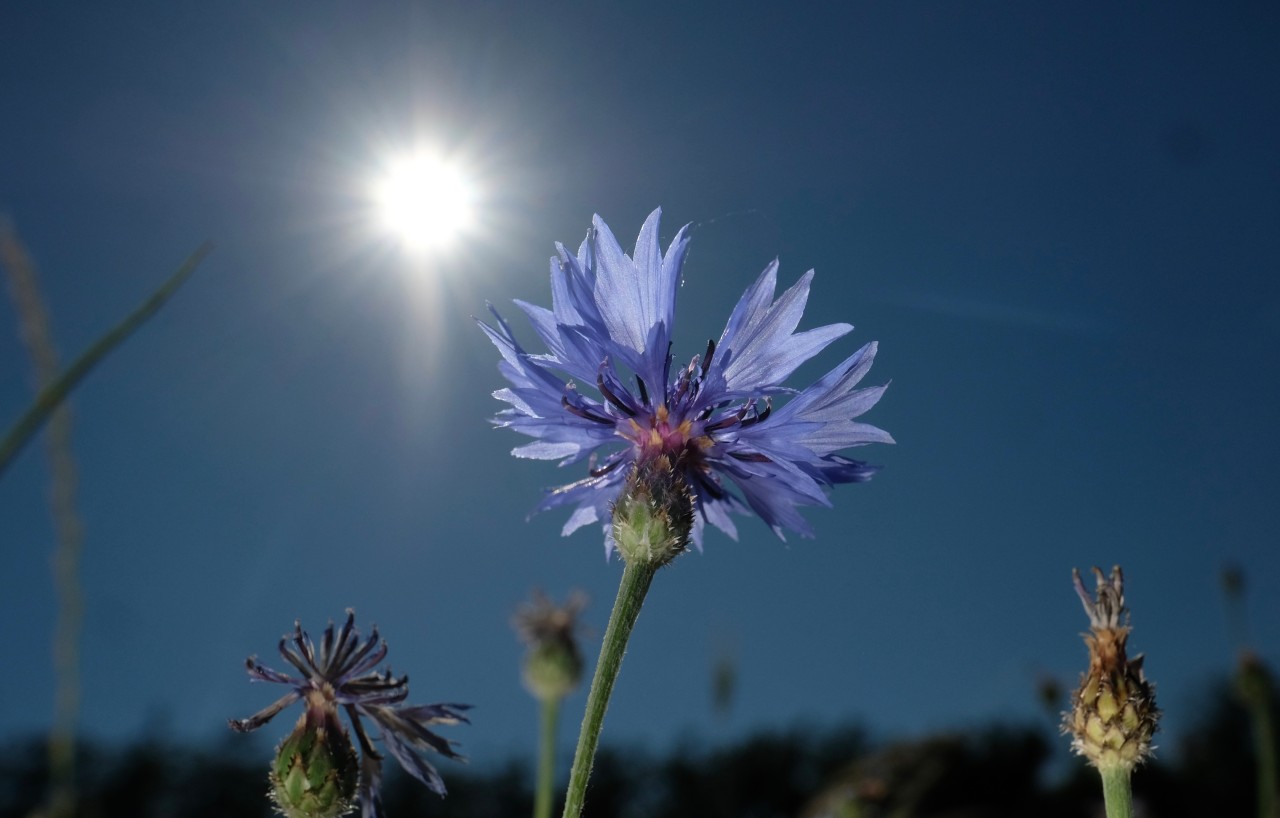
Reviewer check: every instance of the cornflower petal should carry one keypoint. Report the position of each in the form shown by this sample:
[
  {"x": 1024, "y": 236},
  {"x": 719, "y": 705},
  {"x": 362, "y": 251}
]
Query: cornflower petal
[
  {"x": 832, "y": 399},
  {"x": 405, "y": 735},
  {"x": 442, "y": 713},
  {"x": 412, "y": 762},
  {"x": 374, "y": 690},
  {"x": 759, "y": 348},
  {"x": 370, "y": 769},
  {"x": 365, "y": 659},
  {"x": 410, "y": 724},
  {"x": 593, "y": 496},
  {"x": 261, "y": 673},
  {"x": 716, "y": 512},
  {"x": 348, "y": 643},
  {"x": 774, "y": 494},
  {"x": 636, "y": 296},
  {"x": 620, "y": 296},
  {"x": 370, "y": 787},
  {"x": 537, "y": 400},
  {"x": 304, "y": 667},
  {"x": 302, "y": 642},
  {"x": 821, "y": 417},
  {"x": 326, "y": 646},
  {"x": 264, "y": 715},
  {"x": 584, "y": 514}
]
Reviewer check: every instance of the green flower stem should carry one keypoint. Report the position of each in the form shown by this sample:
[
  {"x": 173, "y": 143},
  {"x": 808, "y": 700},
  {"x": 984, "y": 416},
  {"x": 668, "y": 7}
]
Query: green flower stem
[
  {"x": 1265, "y": 748},
  {"x": 550, "y": 712},
  {"x": 636, "y": 578},
  {"x": 1116, "y": 791},
  {"x": 57, "y": 391}
]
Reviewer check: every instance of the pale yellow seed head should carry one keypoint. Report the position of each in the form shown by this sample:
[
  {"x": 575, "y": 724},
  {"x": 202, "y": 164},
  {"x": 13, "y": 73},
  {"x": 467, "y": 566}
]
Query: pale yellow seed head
[{"x": 1114, "y": 713}]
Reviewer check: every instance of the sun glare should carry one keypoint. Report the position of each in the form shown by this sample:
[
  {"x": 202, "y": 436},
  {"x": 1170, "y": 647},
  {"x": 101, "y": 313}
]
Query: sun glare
[{"x": 425, "y": 201}]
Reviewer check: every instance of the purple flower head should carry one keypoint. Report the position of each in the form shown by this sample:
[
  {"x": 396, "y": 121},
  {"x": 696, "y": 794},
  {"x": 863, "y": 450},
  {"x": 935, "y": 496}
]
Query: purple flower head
[
  {"x": 342, "y": 674},
  {"x": 610, "y": 326}
]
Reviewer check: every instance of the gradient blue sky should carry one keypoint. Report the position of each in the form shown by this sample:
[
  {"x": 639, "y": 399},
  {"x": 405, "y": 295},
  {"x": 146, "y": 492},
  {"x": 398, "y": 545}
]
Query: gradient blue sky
[{"x": 1060, "y": 223}]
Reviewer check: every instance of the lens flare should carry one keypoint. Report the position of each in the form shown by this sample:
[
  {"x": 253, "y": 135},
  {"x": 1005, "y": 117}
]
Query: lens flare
[{"x": 425, "y": 201}]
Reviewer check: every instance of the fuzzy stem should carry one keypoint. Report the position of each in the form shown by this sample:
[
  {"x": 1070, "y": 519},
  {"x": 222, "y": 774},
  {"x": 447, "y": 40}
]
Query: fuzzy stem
[
  {"x": 550, "y": 718},
  {"x": 54, "y": 393},
  {"x": 1116, "y": 791},
  {"x": 636, "y": 578}
]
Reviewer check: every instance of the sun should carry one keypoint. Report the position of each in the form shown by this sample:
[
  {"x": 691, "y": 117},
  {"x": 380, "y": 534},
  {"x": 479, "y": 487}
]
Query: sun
[{"x": 425, "y": 201}]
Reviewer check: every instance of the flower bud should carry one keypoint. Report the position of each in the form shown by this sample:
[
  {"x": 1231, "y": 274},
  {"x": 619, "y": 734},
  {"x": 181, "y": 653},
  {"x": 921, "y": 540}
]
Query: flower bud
[
  {"x": 653, "y": 517},
  {"x": 316, "y": 771},
  {"x": 1254, "y": 683},
  {"x": 553, "y": 664},
  {"x": 552, "y": 670},
  {"x": 1114, "y": 711}
]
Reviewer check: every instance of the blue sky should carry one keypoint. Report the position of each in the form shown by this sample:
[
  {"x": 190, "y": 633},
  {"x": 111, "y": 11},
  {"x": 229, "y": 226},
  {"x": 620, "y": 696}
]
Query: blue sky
[{"x": 1060, "y": 225}]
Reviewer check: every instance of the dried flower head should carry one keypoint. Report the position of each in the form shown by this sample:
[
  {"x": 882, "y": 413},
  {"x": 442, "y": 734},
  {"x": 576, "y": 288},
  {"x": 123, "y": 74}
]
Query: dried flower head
[
  {"x": 553, "y": 665},
  {"x": 610, "y": 326},
  {"x": 1114, "y": 712},
  {"x": 315, "y": 774}
]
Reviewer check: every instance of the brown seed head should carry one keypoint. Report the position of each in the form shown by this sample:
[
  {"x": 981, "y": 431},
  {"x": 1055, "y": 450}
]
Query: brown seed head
[{"x": 1114, "y": 712}]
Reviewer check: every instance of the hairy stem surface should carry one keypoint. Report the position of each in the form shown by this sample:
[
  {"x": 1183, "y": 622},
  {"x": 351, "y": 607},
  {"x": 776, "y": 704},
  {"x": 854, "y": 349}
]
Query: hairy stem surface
[
  {"x": 626, "y": 608},
  {"x": 1117, "y": 792}
]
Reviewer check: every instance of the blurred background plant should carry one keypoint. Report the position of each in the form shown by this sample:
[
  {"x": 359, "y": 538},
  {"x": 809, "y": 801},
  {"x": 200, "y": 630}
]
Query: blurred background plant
[
  {"x": 24, "y": 288},
  {"x": 551, "y": 670},
  {"x": 53, "y": 385},
  {"x": 1256, "y": 689}
]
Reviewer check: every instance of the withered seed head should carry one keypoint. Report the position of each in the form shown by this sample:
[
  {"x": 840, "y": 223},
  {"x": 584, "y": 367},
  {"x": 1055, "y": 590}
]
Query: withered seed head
[{"x": 1114, "y": 711}]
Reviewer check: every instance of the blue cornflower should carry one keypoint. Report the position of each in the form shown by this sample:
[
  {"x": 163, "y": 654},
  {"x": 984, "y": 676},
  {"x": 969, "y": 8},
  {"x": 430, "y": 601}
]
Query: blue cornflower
[
  {"x": 610, "y": 325},
  {"x": 314, "y": 773}
]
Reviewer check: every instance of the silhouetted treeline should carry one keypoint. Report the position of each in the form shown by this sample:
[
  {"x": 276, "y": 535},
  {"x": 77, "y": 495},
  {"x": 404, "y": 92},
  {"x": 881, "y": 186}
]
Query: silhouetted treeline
[{"x": 802, "y": 773}]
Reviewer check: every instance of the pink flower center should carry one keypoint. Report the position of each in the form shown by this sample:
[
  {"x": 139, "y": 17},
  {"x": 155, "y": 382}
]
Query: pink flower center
[{"x": 661, "y": 436}]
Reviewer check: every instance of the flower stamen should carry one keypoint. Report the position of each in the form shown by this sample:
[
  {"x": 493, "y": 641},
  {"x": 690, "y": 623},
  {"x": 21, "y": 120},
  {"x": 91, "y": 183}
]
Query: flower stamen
[
  {"x": 585, "y": 414},
  {"x": 759, "y": 416},
  {"x": 610, "y": 396},
  {"x": 614, "y": 461},
  {"x": 731, "y": 419}
]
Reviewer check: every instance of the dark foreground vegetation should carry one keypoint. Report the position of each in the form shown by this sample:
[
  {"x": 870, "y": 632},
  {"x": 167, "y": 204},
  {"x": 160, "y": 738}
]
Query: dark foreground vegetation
[{"x": 803, "y": 773}]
